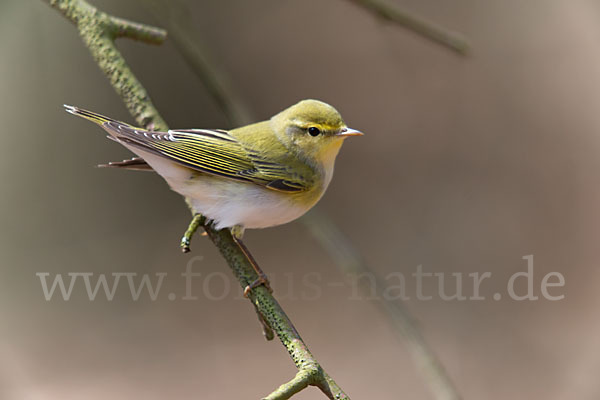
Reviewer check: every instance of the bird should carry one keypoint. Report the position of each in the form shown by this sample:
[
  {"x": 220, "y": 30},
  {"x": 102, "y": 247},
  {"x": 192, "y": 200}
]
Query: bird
[{"x": 256, "y": 176}]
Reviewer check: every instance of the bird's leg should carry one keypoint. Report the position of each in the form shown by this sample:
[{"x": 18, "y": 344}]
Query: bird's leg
[
  {"x": 237, "y": 233},
  {"x": 192, "y": 228}
]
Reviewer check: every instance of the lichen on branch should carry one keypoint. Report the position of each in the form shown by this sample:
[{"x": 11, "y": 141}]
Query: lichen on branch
[{"x": 99, "y": 30}]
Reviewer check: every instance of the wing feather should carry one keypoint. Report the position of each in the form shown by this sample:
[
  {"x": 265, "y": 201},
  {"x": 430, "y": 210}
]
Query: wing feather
[{"x": 211, "y": 151}]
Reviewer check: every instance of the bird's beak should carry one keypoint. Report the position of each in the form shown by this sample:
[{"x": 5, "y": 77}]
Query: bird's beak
[{"x": 349, "y": 132}]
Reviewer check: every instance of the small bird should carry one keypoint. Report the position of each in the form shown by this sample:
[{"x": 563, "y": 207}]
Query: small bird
[{"x": 256, "y": 176}]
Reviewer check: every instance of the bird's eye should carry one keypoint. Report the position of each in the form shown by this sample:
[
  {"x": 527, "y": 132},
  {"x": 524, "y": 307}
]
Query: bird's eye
[{"x": 314, "y": 131}]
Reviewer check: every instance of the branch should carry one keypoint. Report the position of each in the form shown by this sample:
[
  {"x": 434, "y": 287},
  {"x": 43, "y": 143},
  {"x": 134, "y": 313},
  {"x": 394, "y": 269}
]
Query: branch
[
  {"x": 431, "y": 31},
  {"x": 98, "y": 30},
  {"x": 133, "y": 30},
  {"x": 216, "y": 84},
  {"x": 322, "y": 228},
  {"x": 185, "y": 39},
  {"x": 309, "y": 370}
]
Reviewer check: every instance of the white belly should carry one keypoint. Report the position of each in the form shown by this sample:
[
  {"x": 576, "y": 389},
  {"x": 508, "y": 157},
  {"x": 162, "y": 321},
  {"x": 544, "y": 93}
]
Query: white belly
[{"x": 229, "y": 202}]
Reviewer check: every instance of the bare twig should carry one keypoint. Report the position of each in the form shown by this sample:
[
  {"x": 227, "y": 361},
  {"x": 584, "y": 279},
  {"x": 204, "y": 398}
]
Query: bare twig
[
  {"x": 136, "y": 31},
  {"x": 213, "y": 79},
  {"x": 184, "y": 36},
  {"x": 431, "y": 31},
  {"x": 98, "y": 30}
]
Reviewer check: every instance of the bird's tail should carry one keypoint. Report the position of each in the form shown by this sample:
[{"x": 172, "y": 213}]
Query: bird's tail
[
  {"x": 90, "y": 115},
  {"x": 136, "y": 163}
]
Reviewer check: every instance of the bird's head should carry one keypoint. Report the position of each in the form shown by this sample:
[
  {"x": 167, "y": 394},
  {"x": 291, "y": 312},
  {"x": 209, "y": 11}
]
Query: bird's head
[{"x": 313, "y": 129}]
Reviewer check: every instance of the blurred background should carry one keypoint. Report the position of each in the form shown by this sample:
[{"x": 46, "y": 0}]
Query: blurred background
[{"x": 468, "y": 164}]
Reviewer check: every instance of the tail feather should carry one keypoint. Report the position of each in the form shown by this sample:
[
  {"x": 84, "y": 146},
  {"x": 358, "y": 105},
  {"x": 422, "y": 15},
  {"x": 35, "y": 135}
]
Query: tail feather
[
  {"x": 136, "y": 163},
  {"x": 90, "y": 115}
]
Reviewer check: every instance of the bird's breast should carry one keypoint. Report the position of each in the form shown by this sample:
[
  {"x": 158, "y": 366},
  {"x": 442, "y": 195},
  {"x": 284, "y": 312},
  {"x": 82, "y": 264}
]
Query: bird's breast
[{"x": 229, "y": 203}]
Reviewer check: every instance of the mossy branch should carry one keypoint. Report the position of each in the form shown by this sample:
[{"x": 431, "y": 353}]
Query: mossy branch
[
  {"x": 453, "y": 40},
  {"x": 309, "y": 370},
  {"x": 99, "y": 30}
]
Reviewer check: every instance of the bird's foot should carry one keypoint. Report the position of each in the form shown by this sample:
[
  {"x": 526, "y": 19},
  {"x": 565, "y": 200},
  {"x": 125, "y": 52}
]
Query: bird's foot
[{"x": 262, "y": 280}]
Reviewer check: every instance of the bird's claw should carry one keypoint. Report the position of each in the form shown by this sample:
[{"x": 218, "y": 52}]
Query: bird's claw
[{"x": 262, "y": 280}]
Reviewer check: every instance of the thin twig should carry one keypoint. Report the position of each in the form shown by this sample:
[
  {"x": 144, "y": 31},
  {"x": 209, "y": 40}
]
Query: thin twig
[
  {"x": 430, "y": 30},
  {"x": 97, "y": 31},
  {"x": 136, "y": 31},
  {"x": 184, "y": 36},
  {"x": 214, "y": 81}
]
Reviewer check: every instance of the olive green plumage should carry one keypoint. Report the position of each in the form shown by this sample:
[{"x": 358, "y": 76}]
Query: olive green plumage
[{"x": 258, "y": 175}]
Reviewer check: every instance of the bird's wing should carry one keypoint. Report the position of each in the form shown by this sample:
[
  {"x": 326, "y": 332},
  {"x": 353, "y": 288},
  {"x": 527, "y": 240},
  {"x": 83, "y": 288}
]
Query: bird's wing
[{"x": 211, "y": 151}]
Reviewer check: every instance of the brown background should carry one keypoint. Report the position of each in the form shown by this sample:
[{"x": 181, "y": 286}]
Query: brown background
[{"x": 468, "y": 165}]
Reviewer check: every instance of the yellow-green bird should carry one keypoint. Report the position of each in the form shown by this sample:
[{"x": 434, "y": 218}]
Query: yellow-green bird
[{"x": 256, "y": 176}]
